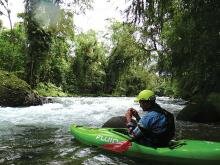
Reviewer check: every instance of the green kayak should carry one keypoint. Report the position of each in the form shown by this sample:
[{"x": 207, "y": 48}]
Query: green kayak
[{"x": 179, "y": 152}]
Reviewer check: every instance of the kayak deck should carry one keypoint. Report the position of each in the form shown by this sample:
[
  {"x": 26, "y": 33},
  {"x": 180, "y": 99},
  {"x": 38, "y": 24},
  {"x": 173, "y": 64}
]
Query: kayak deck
[{"x": 182, "y": 151}]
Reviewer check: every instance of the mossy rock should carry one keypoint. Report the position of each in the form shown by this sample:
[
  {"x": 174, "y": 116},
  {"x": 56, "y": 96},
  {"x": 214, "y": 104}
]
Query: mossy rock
[
  {"x": 214, "y": 98},
  {"x": 202, "y": 112},
  {"x": 15, "y": 92}
]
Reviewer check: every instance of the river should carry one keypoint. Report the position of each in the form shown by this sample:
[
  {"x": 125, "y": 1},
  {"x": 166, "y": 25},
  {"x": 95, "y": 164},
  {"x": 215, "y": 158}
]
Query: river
[{"x": 40, "y": 134}]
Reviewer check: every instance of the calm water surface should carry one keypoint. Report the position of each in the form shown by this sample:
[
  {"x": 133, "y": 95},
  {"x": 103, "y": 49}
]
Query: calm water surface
[{"x": 40, "y": 134}]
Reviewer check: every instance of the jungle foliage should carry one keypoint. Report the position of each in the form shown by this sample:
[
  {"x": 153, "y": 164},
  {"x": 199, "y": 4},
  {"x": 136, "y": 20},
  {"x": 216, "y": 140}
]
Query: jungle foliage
[
  {"x": 185, "y": 34},
  {"x": 169, "y": 46}
]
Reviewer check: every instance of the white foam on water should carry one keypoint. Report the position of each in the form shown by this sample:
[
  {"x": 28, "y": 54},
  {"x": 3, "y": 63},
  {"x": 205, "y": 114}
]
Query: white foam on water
[{"x": 93, "y": 111}]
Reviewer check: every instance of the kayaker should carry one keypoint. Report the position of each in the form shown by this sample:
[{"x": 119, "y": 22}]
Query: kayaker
[{"x": 156, "y": 127}]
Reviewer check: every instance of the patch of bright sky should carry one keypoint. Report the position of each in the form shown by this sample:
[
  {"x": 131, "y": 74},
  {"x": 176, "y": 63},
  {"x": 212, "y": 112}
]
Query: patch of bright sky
[
  {"x": 16, "y": 6},
  {"x": 95, "y": 19}
]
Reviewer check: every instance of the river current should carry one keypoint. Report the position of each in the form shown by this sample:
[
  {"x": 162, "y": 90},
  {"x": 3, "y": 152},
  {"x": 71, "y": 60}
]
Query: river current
[{"x": 40, "y": 134}]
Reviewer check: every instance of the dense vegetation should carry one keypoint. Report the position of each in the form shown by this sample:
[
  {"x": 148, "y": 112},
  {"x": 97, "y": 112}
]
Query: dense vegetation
[
  {"x": 185, "y": 33},
  {"x": 175, "y": 51}
]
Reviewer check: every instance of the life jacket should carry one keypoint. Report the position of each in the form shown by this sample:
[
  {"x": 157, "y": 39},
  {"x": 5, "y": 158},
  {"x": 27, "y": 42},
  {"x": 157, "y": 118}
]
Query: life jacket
[{"x": 161, "y": 139}]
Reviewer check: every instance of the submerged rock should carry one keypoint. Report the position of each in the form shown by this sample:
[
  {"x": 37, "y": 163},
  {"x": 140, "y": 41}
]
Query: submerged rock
[
  {"x": 46, "y": 100},
  {"x": 116, "y": 122},
  {"x": 15, "y": 92}
]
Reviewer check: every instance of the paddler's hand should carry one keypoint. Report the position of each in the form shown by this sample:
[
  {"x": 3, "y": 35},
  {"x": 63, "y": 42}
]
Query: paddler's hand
[
  {"x": 128, "y": 115},
  {"x": 134, "y": 113}
]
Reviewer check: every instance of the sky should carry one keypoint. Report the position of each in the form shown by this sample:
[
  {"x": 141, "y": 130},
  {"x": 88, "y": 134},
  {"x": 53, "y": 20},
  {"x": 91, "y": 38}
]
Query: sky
[
  {"x": 93, "y": 19},
  {"x": 15, "y": 6},
  {"x": 96, "y": 18}
]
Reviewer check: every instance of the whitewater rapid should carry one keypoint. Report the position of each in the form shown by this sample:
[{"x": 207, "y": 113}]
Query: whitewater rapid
[{"x": 90, "y": 111}]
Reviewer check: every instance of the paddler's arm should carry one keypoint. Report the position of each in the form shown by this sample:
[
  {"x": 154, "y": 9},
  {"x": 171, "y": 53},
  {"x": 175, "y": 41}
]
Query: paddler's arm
[{"x": 133, "y": 129}]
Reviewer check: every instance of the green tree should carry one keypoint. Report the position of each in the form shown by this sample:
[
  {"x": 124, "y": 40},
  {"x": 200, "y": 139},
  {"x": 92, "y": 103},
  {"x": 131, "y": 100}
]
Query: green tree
[
  {"x": 127, "y": 53},
  {"x": 57, "y": 64},
  {"x": 193, "y": 38},
  {"x": 88, "y": 64},
  {"x": 185, "y": 34},
  {"x": 40, "y": 16},
  {"x": 38, "y": 43},
  {"x": 134, "y": 80},
  {"x": 12, "y": 49}
]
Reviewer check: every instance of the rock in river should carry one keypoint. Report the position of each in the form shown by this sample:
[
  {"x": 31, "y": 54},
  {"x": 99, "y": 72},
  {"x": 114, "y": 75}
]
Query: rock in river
[{"x": 15, "y": 92}]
